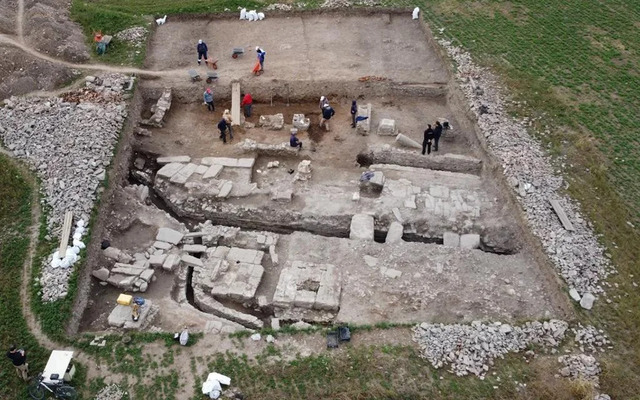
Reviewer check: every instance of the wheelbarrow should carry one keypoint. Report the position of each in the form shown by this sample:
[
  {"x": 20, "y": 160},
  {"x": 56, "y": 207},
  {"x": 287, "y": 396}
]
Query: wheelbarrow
[
  {"x": 194, "y": 75},
  {"x": 211, "y": 76},
  {"x": 237, "y": 51}
]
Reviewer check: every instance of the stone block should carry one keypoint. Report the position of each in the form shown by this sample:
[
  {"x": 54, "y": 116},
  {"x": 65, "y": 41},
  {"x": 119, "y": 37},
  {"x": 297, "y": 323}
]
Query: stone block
[
  {"x": 363, "y": 127},
  {"x": 282, "y": 196},
  {"x": 115, "y": 279},
  {"x": 147, "y": 275},
  {"x": 246, "y": 162},
  {"x": 470, "y": 241},
  {"x": 587, "y": 301},
  {"x": 249, "y": 256},
  {"x": 362, "y": 227},
  {"x": 328, "y": 295},
  {"x": 275, "y": 324},
  {"x": 410, "y": 202},
  {"x": 162, "y": 245},
  {"x": 201, "y": 169},
  {"x": 300, "y": 122},
  {"x": 220, "y": 252},
  {"x": 169, "y": 170},
  {"x": 286, "y": 289},
  {"x": 272, "y": 122},
  {"x": 184, "y": 174},
  {"x": 407, "y": 142},
  {"x": 372, "y": 181},
  {"x": 451, "y": 239},
  {"x": 169, "y": 235},
  {"x": 101, "y": 274},
  {"x": 171, "y": 262},
  {"x": 194, "y": 248},
  {"x": 119, "y": 316},
  {"x": 191, "y": 261},
  {"x": 156, "y": 260},
  {"x": 112, "y": 253},
  {"x": 224, "y": 161},
  {"x": 208, "y": 304},
  {"x": 225, "y": 189},
  {"x": 394, "y": 233},
  {"x": 305, "y": 299},
  {"x": 213, "y": 171},
  {"x": 391, "y": 273},
  {"x": 387, "y": 127},
  {"x": 173, "y": 159},
  {"x": 273, "y": 254},
  {"x": 125, "y": 269}
]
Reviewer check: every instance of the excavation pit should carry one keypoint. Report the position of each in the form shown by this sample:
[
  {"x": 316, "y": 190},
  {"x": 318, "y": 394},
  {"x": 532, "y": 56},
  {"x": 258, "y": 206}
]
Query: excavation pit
[{"x": 298, "y": 207}]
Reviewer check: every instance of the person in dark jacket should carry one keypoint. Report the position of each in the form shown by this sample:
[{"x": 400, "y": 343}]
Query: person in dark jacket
[
  {"x": 437, "y": 132},
  {"x": 354, "y": 113},
  {"x": 261, "y": 54},
  {"x": 222, "y": 126},
  {"x": 294, "y": 141},
  {"x": 19, "y": 359},
  {"x": 202, "y": 51},
  {"x": 208, "y": 98},
  {"x": 428, "y": 139},
  {"x": 327, "y": 113}
]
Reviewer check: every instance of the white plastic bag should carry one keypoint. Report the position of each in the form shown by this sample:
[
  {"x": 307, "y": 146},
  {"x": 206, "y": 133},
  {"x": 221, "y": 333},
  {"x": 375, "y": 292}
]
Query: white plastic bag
[
  {"x": 243, "y": 13},
  {"x": 79, "y": 244},
  {"x": 223, "y": 379},
  {"x": 210, "y": 387},
  {"x": 416, "y": 12},
  {"x": 253, "y": 16},
  {"x": 260, "y": 16},
  {"x": 80, "y": 223}
]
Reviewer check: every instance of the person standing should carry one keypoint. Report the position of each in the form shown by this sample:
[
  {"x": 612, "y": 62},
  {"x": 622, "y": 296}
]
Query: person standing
[
  {"x": 327, "y": 113},
  {"x": 19, "y": 359},
  {"x": 208, "y": 98},
  {"x": 226, "y": 115},
  {"x": 261, "y": 54},
  {"x": 222, "y": 126},
  {"x": 323, "y": 102},
  {"x": 437, "y": 132},
  {"x": 354, "y": 113},
  {"x": 428, "y": 139},
  {"x": 247, "y": 104},
  {"x": 202, "y": 51},
  {"x": 294, "y": 141}
]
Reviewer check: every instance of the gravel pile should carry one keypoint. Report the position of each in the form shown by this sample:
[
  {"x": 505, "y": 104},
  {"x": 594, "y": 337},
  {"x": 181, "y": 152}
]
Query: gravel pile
[
  {"x": 577, "y": 255},
  {"x": 471, "y": 349},
  {"x": 69, "y": 145},
  {"x": 111, "y": 392},
  {"x": 590, "y": 339},
  {"x": 580, "y": 366},
  {"x": 135, "y": 35},
  {"x": 279, "y": 6}
]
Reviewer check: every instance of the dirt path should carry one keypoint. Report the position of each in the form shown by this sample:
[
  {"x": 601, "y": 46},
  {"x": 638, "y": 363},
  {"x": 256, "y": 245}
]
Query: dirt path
[
  {"x": 5, "y": 39},
  {"x": 19, "y": 19}
]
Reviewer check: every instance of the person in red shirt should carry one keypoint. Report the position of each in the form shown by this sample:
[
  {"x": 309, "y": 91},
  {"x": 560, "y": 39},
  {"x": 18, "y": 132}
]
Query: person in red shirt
[{"x": 247, "y": 104}]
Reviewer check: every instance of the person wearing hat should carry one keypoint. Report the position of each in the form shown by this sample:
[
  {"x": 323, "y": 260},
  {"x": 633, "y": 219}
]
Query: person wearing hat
[
  {"x": 226, "y": 115},
  {"x": 202, "y": 51},
  {"x": 294, "y": 141},
  {"x": 327, "y": 113},
  {"x": 261, "y": 54},
  {"x": 19, "y": 359},
  {"x": 208, "y": 98},
  {"x": 323, "y": 102}
]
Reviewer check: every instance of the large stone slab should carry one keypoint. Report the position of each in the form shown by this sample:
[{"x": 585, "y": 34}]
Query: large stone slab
[
  {"x": 363, "y": 127},
  {"x": 191, "y": 260},
  {"x": 184, "y": 174},
  {"x": 394, "y": 234},
  {"x": 239, "y": 282},
  {"x": 213, "y": 172},
  {"x": 246, "y": 162},
  {"x": 249, "y": 256},
  {"x": 362, "y": 227},
  {"x": 209, "y": 305},
  {"x": 451, "y": 239},
  {"x": 169, "y": 235},
  {"x": 194, "y": 248},
  {"x": 224, "y": 161},
  {"x": 387, "y": 127},
  {"x": 171, "y": 262},
  {"x": 173, "y": 159},
  {"x": 470, "y": 241},
  {"x": 169, "y": 170}
]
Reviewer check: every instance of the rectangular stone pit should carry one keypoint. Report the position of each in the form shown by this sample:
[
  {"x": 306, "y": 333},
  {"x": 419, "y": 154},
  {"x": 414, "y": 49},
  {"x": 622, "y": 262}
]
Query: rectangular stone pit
[{"x": 308, "y": 286}]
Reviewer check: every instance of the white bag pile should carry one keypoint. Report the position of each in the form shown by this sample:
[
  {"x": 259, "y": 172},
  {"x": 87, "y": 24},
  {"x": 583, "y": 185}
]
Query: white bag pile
[
  {"x": 211, "y": 386},
  {"x": 71, "y": 254},
  {"x": 251, "y": 15}
]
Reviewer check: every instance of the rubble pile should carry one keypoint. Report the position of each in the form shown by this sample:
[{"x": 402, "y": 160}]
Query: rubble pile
[
  {"x": 279, "y": 6},
  {"x": 580, "y": 366},
  {"x": 577, "y": 254},
  {"x": 69, "y": 145},
  {"x": 110, "y": 392},
  {"x": 591, "y": 339},
  {"x": 471, "y": 349},
  {"x": 135, "y": 35}
]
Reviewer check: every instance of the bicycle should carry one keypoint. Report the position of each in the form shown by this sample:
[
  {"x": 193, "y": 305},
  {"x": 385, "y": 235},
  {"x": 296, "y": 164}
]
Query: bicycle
[{"x": 57, "y": 387}]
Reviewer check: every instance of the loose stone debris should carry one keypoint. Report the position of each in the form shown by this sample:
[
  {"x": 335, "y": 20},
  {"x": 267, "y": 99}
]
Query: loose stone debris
[
  {"x": 471, "y": 349},
  {"x": 135, "y": 35},
  {"x": 590, "y": 339},
  {"x": 111, "y": 392},
  {"x": 69, "y": 145},
  {"x": 580, "y": 366},
  {"x": 576, "y": 254}
]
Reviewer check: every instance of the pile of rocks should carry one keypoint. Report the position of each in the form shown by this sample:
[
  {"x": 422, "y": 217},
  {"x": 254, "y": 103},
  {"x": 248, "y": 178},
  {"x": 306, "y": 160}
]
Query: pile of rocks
[
  {"x": 135, "y": 35},
  {"x": 69, "y": 146},
  {"x": 577, "y": 254},
  {"x": 580, "y": 366},
  {"x": 590, "y": 339},
  {"x": 111, "y": 392},
  {"x": 279, "y": 6},
  {"x": 471, "y": 349}
]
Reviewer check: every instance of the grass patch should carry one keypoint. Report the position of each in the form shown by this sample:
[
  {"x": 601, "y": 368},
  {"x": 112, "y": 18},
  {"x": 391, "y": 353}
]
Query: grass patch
[{"x": 15, "y": 220}]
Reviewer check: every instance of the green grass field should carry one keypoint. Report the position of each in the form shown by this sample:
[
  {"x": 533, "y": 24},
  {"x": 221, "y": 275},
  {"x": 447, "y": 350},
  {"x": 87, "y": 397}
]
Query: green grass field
[{"x": 575, "y": 63}]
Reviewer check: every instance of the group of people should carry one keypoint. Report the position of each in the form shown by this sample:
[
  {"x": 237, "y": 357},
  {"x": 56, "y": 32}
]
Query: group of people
[
  {"x": 203, "y": 54},
  {"x": 431, "y": 136},
  {"x": 224, "y": 125}
]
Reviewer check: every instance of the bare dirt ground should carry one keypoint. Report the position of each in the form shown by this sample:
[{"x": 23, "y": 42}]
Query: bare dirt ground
[{"x": 304, "y": 48}]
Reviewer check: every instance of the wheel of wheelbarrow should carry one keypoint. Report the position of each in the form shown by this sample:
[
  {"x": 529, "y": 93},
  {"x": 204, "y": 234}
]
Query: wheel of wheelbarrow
[
  {"x": 209, "y": 80},
  {"x": 234, "y": 56}
]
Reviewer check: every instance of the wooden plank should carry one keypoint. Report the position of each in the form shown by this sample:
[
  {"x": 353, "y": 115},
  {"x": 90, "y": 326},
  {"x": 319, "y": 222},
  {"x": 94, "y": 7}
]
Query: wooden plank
[
  {"x": 235, "y": 103},
  {"x": 562, "y": 215},
  {"x": 66, "y": 233}
]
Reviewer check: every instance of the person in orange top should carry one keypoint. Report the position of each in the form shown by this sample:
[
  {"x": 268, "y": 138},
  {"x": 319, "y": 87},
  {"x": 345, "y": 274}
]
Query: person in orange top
[{"x": 247, "y": 104}]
